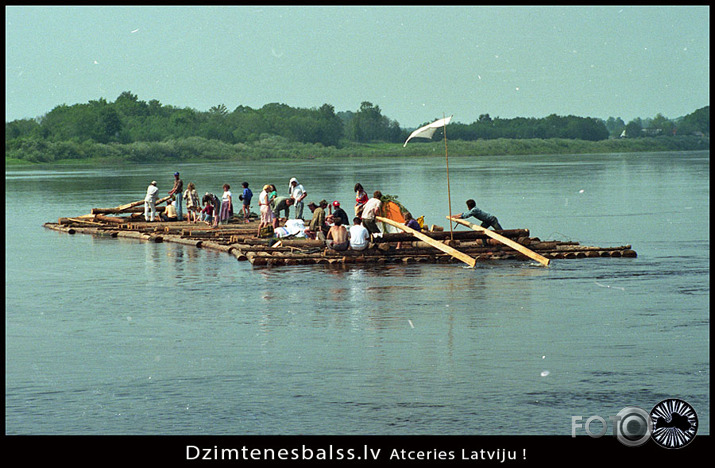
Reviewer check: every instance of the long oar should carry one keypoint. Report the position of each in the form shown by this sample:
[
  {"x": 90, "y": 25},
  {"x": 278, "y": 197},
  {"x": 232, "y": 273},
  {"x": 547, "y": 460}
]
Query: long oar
[
  {"x": 504, "y": 240},
  {"x": 436, "y": 244}
]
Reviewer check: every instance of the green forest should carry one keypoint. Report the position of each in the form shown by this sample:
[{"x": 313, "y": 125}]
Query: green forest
[{"x": 130, "y": 129}]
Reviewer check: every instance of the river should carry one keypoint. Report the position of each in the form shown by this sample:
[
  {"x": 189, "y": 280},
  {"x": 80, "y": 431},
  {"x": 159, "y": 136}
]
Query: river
[{"x": 119, "y": 337}]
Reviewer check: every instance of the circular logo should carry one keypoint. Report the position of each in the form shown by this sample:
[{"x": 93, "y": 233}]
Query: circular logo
[
  {"x": 674, "y": 423},
  {"x": 633, "y": 426}
]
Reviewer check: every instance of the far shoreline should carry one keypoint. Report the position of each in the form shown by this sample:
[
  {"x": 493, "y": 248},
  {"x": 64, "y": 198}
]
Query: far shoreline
[{"x": 92, "y": 154}]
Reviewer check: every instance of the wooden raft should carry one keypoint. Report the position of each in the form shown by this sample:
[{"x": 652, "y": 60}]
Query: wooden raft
[{"x": 240, "y": 240}]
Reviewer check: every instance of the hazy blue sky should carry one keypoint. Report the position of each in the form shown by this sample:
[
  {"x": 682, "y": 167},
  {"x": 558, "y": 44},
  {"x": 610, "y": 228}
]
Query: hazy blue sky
[{"x": 416, "y": 63}]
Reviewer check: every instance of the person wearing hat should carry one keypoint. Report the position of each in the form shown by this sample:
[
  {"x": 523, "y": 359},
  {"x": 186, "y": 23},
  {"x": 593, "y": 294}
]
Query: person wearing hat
[
  {"x": 150, "y": 202},
  {"x": 177, "y": 191},
  {"x": 340, "y": 213},
  {"x": 298, "y": 193}
]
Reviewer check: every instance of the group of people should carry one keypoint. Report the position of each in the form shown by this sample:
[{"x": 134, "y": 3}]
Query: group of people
[
  {"x": 210, "y": 209},
  {"x": 330, "y": 226}
]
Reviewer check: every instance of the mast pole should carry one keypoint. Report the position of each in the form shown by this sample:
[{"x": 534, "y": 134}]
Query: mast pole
[{"x": 449, "y": 195}]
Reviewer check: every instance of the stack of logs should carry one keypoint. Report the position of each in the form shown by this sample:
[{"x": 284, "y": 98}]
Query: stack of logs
[{"x": 239, "y": 239}]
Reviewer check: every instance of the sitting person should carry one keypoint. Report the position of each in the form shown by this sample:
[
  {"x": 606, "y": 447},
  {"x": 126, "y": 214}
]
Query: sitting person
[
  {"x": 316, "y": 228},
  {"x": 169, "y": 213},
  {"x": 208, "y": 211},
  {"x": 337, "y": 238},
  {"x": 410, "y": 223},
  {"x": 340, "y": 213},
  {"x": 359, "y": 236}
]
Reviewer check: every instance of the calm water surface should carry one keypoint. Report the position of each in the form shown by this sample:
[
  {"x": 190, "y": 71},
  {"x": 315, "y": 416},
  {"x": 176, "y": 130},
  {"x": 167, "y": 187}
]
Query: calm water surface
[{"x": 115, "y": 336}]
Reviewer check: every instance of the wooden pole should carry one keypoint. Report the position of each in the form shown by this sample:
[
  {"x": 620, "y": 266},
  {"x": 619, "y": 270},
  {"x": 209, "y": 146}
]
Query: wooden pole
[
  {"x": 504, "y": 240},
  {"x": 449, "y": 195},
  {"x": 436, "y": 244}
]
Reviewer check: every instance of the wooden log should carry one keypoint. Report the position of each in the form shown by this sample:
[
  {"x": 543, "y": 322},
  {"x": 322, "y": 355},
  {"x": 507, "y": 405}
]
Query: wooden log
[
  {"x": 240, "y": 256},
  {"x": 128, "y": 206},
  {"x": 134, "y": 211},
  {"x": 216, "y": 246},
  {"x": 184, "y": 241},
  {"x": 83, "y": 221},
  {"x": 59, "y": 227},
  {"x": 504, "y": 240},
  {"x": 302, "y": 243},
  {"x": 133, "y": 235},
  {"x": 111, "y": 219},
  {"x": 436, "y": 244}
]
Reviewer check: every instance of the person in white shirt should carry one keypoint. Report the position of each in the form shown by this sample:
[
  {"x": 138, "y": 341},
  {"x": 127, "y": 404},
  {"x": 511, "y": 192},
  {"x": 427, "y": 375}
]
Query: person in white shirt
[
  {"x": 359, "y": 237},
  {"x": 298, "y": 194},
  {"x": 150, "y": 201},
  {"x": 370, "y": 210},
  {"x": 265, "y": 209}
]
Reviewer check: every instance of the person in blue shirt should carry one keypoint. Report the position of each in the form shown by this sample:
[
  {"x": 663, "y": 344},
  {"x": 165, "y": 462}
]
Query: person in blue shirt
[
  {"x": 486, "y": 218},
  {"x": 246, "y": 197}
]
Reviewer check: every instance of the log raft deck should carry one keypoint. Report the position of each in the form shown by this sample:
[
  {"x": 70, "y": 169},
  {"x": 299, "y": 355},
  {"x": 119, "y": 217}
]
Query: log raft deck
[{"x": 239, "y": 239}]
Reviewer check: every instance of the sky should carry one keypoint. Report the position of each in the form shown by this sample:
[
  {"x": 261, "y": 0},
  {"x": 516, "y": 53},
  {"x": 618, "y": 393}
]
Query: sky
[{"x": 416, "y": 63}]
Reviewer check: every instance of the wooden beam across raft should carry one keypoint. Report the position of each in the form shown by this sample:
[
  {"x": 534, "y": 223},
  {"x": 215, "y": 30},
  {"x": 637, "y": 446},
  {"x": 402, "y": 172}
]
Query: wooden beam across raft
[
  {"x": 436, "y": 244},
  {"x": 516, "y": 246}
]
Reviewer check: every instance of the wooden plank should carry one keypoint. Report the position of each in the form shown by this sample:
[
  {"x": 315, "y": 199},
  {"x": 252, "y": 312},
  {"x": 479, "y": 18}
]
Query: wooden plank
[
  {"x": 436, "y": 244},
  {"x": 127, "y": 206},
  {"x": 504, "y": 240}
]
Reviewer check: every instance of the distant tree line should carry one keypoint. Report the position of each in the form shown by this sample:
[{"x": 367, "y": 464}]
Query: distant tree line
[{"x": 76, "y": 131}]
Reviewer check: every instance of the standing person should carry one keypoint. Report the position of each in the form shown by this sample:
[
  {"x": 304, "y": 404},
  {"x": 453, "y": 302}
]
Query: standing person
[
  {"x": 150, "y": 201},
  {"x": 192, "y": 203},
  {"x": 359, "y": 236},
  {"x": 246, "y": 197},
  {"x": 486, "y": 218},
  {"x": 217, "y": 208},
  {"x": 360, "y": 199},
  {"x": 298, "y": 193},
  {"x": 370, "y": 210},
  {"x": 177, "y": 190},
  {"x": 226, "y": 205},
  {"x": 337, "y": 238},
  {"x": 340, "y": 213},
  {"x": 265, "y": 209}
]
